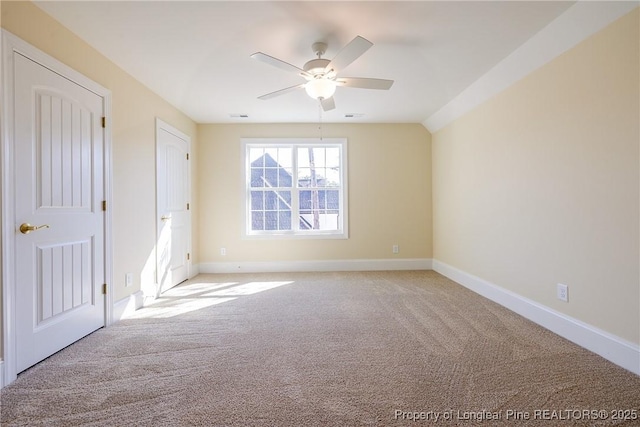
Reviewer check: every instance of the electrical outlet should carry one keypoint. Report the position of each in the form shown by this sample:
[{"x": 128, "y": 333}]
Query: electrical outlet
[
  {"x": 395, "y": 249},
  {"x": 223, "y": 251},
  {"x": 562, "y": 292},
  {"x": 128, "y": 279}
]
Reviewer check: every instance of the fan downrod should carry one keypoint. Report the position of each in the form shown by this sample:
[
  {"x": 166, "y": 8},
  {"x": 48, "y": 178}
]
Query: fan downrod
[{"x": 316, "y": 67}]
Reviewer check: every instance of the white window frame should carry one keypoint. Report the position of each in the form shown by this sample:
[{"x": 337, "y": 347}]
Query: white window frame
[{"x": 295, "y": 233}]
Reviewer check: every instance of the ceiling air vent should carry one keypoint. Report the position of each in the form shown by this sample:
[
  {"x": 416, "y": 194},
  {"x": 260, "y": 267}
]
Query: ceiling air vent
[{"x": 239, "y": 116}]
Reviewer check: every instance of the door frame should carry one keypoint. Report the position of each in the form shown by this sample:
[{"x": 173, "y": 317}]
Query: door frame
[
  {"x": 162, "y": 125},
  {"x": 12, "y": 44}
]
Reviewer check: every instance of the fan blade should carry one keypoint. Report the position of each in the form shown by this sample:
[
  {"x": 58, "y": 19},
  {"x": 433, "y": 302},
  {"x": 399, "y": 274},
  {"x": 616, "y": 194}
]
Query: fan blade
[
  {"x": 328, "y": 104},
  {"x": 348, "y": 54},
  {"x": 364, "y": 83},
  {"x": 263, "y": 57},
  {"x": 281, "y": 91}
]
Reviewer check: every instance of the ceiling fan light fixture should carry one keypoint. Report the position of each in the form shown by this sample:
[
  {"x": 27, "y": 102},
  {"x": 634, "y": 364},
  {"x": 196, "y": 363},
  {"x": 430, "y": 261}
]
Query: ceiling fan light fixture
[
  {"x": 322, "y": 74},
  {"x": 320, "y": 88}
]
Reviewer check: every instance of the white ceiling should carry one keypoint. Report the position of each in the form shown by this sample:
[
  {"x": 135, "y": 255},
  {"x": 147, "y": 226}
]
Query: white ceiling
[{"x": 196, "y": 55}]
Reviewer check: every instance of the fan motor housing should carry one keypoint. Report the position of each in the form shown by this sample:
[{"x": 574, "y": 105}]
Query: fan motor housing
[{"x": 316, "y": 66}]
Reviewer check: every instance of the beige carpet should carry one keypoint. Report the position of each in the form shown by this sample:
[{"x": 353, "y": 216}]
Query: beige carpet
[{"x": 374, "y": 348}]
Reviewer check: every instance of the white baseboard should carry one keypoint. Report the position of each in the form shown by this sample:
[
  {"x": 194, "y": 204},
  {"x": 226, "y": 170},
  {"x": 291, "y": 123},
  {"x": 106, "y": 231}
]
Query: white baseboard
[
  {"x": 613, "y": 348},
  {"x": 127, "y": 305},
  {"x": 1, "y": 374},
  {"x": 194, "y": 270},
  {"x": 308, "y": 266}
]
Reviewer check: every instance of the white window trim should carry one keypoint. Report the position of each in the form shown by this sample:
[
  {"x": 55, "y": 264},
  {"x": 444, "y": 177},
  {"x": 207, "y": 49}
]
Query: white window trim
[{"x": 288, "y": 142}]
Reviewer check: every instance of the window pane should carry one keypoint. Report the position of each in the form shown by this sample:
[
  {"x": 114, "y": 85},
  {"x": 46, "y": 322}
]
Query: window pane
[
  {"x": 270, "y": 200},
  {"x": 269, "y": 176},
  {"x": 257, "y": 200},
  {"x": 304, "y": 199},
  {"x": 317, "y": 155},
  {"x": 321, "y": 177},
  {"x": 256, "y": 156},
  {"x": 284, "y": 177},
  {"x": 322, "y": 200},
  {"x": 333, "y": 177},
  {"x": 284, "y": 157},
  {"x": 270, "y": 157},
  {"x": 257, "y": 221},
  {"x": 285, "y": 220},
  {"x": 304, "y": 224},
  {"x": 333, "y": 201},
  {"x": 255, "y": 180},
  {"x": 271, "y": 220},
  {"x": 304, "y": 177},
  {"x": 284, "y": 201},
  {"x": 319, "y": 221},
  {"x": 303, "y": 158}
]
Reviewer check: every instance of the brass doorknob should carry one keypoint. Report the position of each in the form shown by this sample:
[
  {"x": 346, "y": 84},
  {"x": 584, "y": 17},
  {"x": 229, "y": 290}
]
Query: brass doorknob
[
  {"x": 165, "y": 218},
  {"x": 27, "y": 228}
]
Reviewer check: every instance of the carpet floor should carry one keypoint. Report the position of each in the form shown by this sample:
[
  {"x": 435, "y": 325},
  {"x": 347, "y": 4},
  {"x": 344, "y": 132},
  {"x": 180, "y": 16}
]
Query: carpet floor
[{"x": 323, "y": 349}]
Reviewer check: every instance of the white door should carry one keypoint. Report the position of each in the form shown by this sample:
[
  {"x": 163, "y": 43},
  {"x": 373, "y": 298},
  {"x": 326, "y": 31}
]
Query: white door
[
  {"x": 174, "y": 225},
  {"x": 58, "y": 187}
]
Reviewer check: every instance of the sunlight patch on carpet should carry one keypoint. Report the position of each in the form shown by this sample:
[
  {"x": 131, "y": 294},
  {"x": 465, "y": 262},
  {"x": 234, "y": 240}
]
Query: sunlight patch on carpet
[
  {"x": 195, "y": 288},
  {"x": 177, "y": 308},
  {"x": 196, "y": 296},
  {"x": 248, "y": 288}
]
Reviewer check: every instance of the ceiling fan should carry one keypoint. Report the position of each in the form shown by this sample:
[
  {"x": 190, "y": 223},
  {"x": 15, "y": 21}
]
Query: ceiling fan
[{"x": 322, "y": 74}]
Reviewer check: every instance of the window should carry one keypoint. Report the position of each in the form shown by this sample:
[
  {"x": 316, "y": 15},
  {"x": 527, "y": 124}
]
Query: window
[{"x": 295, "y": 187}]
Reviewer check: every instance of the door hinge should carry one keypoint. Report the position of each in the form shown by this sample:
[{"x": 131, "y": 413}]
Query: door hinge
[
  {"x": 187, "y": 206},
  {"x": 104, "y": 289},
  {"x": 104, "y": 205},
  {"x": 188, "y": 256},
  {"x": 104, "y": 122},
  {"x": 187, "y": 156}
]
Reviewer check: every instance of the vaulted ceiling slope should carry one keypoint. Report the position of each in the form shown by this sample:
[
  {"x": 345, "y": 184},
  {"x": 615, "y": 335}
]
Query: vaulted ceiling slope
[{"x": 196, "y": 55}]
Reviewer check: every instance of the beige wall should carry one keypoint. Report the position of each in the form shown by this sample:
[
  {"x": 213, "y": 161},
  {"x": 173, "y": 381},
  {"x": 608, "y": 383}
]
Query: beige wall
[
  {"x": 540, "y": 185},
  {"x": 134, "y": 109},
  {"x": 389, "y": 194}
]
